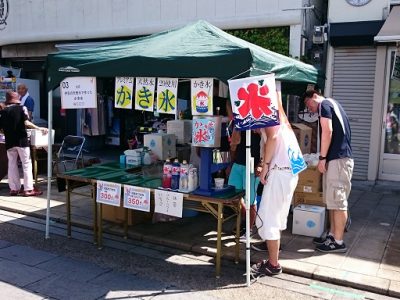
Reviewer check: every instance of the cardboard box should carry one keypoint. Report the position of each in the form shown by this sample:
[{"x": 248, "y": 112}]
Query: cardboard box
[
  {"x": 39, "y": 139},
  {"x": 161, "y": 144},
  {"x": 308, "y": 220},
  {"x": 308, "y": 198},
  {"x": 311, "y": 177},
  {"x": 117, "y": 215},
  {"x": 301, "y": 188},
  {"x": 303, "y": 134},
  {"x": 182, "y": 129}
]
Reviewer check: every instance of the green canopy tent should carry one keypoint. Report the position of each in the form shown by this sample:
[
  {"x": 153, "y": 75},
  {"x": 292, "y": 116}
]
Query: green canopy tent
[{"x": 196, "y": 50}]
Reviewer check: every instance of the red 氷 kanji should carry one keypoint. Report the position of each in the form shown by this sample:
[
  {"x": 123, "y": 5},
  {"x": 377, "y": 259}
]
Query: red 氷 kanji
[
  {"x": 201, "y": 136},
  {"x": 255, "y": 101}
]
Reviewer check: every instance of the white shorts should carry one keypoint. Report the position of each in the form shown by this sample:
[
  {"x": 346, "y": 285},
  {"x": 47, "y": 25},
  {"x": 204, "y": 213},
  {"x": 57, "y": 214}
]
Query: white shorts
[{"x": 275, "y": 204}]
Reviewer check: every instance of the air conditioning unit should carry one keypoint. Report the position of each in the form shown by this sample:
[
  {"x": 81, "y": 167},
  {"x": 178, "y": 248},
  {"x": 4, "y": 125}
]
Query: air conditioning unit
[{"x": 318, "y": 35}]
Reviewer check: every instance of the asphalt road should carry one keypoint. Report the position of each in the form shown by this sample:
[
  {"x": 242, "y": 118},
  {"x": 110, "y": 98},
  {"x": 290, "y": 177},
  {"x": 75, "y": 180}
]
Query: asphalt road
[{"x": 32, "y": 267}]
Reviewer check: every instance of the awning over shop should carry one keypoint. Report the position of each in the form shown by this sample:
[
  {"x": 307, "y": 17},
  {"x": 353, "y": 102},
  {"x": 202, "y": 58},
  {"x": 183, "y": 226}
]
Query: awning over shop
[
  {"x": 353, "y": 33},
  {"x": 390, "y": 31},
  {"x": 196, "y": 50}
]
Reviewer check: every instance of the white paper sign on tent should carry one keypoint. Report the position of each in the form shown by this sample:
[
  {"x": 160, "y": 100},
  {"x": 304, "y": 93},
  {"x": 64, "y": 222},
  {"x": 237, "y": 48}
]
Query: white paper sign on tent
[
  {"x": 168, "y": 203},
  {"x": 144, "y": 94},
  {"x": 78, "y": 92},
  {"x": 123, "y": 92},
  {"x": 167, "y": 95}
]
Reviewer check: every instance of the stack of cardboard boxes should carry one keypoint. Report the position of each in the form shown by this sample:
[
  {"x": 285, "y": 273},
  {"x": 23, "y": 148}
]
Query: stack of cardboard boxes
[{"x": 309, "y": 208}]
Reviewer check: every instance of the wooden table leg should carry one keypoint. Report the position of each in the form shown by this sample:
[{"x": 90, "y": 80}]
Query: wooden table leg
[
  {"x": 220, "y": 218},
  {"x": 125, "y": 223},
  {"x": 100, "y": 231},
  {"x": 68, "y": 195},
  {"x": 95, "y": 228}
]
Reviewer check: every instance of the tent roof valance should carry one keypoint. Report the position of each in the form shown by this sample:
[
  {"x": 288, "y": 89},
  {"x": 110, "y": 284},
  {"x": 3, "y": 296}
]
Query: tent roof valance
[{"x": 196, "y": 50}]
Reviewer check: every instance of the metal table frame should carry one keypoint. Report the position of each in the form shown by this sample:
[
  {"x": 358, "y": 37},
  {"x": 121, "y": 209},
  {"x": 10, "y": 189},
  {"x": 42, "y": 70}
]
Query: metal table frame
[{"x": 213, "y": 206}]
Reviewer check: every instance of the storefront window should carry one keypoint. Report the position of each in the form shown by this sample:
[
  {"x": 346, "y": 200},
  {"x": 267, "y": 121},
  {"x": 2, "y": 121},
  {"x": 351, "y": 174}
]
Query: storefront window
[{"x": 392, "y": 135}]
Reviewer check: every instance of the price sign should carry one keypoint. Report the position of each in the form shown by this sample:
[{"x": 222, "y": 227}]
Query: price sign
[
  {"x": 168, "y": 203},
  {"x": 78, "y": 92},
  {"x": 136, "y": 198},
  {"x": 108, "y": 193}
]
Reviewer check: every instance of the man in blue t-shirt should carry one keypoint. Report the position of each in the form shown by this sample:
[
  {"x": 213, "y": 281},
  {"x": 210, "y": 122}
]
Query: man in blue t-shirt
[
  {"x": 26, "y": 99},
  {"x": 336, "y": 164}
]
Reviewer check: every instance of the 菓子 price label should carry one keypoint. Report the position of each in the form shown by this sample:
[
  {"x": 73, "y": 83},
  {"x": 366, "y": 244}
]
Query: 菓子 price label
[
  {"x": 168, "y": 203},
  {"x": 136, "y": 198},
  {"x": 108, "y": 193}
]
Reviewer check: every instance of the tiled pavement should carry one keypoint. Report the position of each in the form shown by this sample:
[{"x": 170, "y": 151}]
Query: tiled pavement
[{"x": 372, "y": 262}]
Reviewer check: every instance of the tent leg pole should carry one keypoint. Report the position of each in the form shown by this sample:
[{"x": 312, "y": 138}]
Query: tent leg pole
[{"x": 49, "y": 161}]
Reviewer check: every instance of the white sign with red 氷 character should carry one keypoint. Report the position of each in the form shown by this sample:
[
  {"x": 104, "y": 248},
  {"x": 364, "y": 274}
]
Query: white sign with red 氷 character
[
  {"x": 254, "y": 102},
  {"x": 202, "y": 96},
  {"x": 136, "y": 198},
  {"x": 108, "y": 193}
]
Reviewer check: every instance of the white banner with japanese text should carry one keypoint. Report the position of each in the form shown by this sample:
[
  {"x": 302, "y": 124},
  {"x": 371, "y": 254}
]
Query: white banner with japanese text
[
  {"x": 201, "y": 91},
  {"x": 123, "y": 92},
  {"x": 144, "y": 94},
  {"x": 78, "y": 92},
  {"x": 167, "y": 95},
  {"x": 168, "y": 203}
]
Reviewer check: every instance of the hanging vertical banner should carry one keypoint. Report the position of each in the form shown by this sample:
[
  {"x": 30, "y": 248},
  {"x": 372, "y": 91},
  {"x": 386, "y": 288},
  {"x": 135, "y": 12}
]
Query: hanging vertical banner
[
  {"x": 136, "y": 198},
  {"x": 202, "y": 96},
  {"x": 167, "y": 95},
  {"x": 123, "y": 92},
  {"x": 144, "y": 95},
  {"x": 254, "y": 102}
]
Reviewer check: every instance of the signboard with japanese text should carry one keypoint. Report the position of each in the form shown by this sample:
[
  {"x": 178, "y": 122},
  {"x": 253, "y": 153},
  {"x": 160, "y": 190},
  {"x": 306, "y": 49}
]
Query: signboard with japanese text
[
  {"x": 123, "y": 92},
  {"x": 202, "y": 96},
  {"x": 254, "y": 102},
  {"x": 206, "y": 131},
  {"x": 108, "y": 193},
  {"x": 78, "y": 92},
  {"x": 6, "y": 84},
  {"x": 144, "y": 95},
  {"x": 168, "y": 203},
  {"x": 167, "y": 95},
  {"x": 136, "y": 198},
  {"x": 396, "y": 66}
]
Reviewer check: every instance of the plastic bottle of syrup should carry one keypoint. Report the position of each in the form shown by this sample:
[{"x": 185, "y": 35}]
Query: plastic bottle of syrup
[
  {"x": 184, "y": 176},
  {"x": 176, "y": 169},
  {"x": 167, "y": 174}
]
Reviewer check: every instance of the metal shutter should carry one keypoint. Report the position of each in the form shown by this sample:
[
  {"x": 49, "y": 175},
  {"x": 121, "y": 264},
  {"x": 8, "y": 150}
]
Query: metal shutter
[{"x": 353, "y": 86}]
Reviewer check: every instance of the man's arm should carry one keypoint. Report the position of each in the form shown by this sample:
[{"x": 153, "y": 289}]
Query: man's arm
[
  {"x": 30, "y": 125},
  {"x": 326, "y": 138}
]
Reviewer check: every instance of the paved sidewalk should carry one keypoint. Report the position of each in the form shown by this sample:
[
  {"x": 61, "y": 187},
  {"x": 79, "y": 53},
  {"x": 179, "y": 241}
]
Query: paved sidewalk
[{"x": 372, "y": 262}]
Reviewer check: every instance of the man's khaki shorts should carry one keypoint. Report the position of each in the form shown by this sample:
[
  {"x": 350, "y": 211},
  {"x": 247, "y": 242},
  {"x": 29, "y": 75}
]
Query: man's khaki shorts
[{"x": 337, "y": 183}]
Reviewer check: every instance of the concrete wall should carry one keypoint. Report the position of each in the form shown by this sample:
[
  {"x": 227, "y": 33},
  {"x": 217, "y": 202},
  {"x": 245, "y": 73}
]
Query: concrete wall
[
  {"x": 49, "y": 20},
  {"x": 341, "y": 11}
]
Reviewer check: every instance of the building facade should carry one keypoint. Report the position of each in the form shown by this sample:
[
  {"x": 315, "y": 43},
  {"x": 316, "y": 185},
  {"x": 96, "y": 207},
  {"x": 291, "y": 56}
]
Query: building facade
[{"x": 359, "y": 76}]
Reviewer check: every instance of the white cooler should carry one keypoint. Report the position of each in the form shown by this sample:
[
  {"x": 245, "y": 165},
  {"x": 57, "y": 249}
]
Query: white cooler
[{"x": 308, "y": 220}]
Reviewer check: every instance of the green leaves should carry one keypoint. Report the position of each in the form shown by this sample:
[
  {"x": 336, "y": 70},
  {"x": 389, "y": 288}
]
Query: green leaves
[{"x": 274, "y": 38}]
